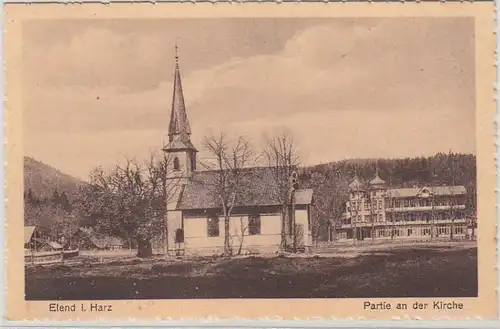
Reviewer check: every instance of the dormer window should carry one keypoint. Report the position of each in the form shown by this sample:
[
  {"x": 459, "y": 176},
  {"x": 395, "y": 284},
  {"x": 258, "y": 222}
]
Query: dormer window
[{"x": 177, "y": 165}]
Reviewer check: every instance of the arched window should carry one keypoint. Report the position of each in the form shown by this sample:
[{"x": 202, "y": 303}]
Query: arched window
[{"x": 177, "y": 165}]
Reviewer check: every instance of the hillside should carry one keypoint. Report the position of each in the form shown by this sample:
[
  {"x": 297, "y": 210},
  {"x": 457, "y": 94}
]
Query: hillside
[{"x": 43, "y": 179}]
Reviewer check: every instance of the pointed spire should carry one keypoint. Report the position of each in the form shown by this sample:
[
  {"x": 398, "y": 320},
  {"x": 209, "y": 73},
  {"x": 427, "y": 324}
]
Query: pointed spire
[
  {"x": 377, "y": 181},
  {"x": 179, "y": 123}
]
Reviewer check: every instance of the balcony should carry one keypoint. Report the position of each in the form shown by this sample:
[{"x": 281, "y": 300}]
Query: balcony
[
  {"x": 457, "y": 221},
  {"x": 425, "y": 208}
]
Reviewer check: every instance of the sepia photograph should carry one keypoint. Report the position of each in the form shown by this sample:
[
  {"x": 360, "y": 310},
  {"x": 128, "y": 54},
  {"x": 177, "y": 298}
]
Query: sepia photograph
[
  {"x": 311, "y": 158},
  {"x": 183, "y": 157}
]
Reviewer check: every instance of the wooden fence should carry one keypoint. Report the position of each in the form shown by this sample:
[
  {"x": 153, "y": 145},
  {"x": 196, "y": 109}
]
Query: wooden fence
[{"x": 48, "y": 257}]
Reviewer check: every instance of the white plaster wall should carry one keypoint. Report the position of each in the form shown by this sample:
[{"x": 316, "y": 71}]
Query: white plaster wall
[
  {"x": 197, "y": 241},
  {"x": 301, "y": 218}
]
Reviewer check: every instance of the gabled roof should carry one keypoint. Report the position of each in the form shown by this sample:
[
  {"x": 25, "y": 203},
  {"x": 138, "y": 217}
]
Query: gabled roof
[
  {"x": 54, "y": 245},
  {"x": 28, "y": 233},
  {"x": 356, "y": 184},
  {"x": 259, "y": 188},
  {"x": 304, "y": 196},
  {"x": 100, "y": 240},
  {"x": 436, "y": 190}
]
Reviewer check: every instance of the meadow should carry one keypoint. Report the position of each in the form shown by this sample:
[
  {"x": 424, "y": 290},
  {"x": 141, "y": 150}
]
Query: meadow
[{"x": 405, "y": 271}]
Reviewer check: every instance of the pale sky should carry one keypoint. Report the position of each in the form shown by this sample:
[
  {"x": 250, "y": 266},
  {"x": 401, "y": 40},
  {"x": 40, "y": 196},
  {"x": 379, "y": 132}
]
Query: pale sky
[{"x": 97, "y": 91}]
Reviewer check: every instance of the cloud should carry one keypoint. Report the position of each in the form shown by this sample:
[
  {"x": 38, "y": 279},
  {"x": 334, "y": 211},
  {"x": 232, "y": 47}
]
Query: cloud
[
  {"x": 364, "y": 89},
  {"x": 98, "y": 57},
  {"x": 377, "y": 68}
]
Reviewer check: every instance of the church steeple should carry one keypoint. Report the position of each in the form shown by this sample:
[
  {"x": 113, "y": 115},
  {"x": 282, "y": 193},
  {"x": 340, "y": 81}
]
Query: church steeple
[
  {"x": 179, "y": 144},
  {"x": 179, "y": 123}
]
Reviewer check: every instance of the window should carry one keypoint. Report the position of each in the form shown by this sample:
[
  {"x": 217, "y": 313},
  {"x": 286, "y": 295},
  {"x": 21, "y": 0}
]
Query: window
[
  {"x": 380, "y": 217},
  {"x": 366, "y": 205},
  {"x": 193, "y": 161},
  {"x": 179, "y": 235},
  {"x": 177, "y": 165},
  {"x": 410, "y": 231},
  {"x": 254, "y": 224},
  {"x": 380, "y": 204},
  {"x": 213, "y": 226}
]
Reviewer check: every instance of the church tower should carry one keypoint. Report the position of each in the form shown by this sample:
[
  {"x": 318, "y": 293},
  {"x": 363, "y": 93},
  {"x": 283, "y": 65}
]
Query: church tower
[{"x": 181, "y": 152}]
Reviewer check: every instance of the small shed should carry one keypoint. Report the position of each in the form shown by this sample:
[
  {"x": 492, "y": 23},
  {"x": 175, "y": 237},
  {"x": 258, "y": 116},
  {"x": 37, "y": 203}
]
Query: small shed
[
  {"x": 42, "y": 245},
  {"x": 88, "y": 239}
]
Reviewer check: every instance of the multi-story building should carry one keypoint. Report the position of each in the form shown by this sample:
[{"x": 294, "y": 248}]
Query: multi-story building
[{"x": 376, "y": 211}]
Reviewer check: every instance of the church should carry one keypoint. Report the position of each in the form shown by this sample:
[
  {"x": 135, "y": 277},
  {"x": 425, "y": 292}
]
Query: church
[{"x": 194, "y": 218}]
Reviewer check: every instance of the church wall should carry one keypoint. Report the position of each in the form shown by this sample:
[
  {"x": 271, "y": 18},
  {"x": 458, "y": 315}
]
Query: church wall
[
  {"x": 174, "y": 219},
  {"x": 302, "y": 218},
  {"x": 197, "y": 240}
]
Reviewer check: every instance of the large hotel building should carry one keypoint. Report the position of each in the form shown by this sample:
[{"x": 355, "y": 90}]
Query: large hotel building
[{"x": 376, "y": 211}]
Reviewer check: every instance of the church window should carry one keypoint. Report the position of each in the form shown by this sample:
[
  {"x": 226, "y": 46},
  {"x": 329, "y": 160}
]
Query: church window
[
  {"x": 193, "y": 161},
  {"x": 213, "y": 226},
  {"x": 179, "y": 235},
  {"x": 177, "y": 165},
  {"x": 254, "y": 224}
]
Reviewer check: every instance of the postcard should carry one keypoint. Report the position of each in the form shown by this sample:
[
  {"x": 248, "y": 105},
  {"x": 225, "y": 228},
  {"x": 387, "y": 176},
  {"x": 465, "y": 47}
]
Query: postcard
[{"x": 293, "y": 161}]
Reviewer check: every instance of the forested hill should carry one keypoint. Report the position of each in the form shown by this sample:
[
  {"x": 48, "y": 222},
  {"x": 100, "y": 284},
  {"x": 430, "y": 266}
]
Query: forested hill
[
  {"x": 42, "y": 180},
  {"x": 440, "y": 169}
]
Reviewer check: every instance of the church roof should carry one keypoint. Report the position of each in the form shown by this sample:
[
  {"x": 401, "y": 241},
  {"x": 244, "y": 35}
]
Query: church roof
[
  {"x": 179, "y": 123},
  {"x": 258, "y": 189},
  {"x": 178, "y": 145}
]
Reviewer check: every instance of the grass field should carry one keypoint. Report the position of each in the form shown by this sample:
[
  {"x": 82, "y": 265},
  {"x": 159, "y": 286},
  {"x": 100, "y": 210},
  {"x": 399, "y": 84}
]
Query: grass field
[{"x": 426, "y": 271}]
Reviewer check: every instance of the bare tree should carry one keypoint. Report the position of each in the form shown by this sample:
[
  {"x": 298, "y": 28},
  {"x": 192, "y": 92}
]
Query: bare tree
[
  {"x": 282, "y": 159},
  {"x": 228, "y": 184},
  {"x": 130, "y": 200}
]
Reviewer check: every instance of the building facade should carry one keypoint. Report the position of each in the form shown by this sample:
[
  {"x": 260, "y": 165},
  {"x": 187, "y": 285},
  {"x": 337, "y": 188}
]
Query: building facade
[
  {"x": 195, "y": 220},
  {"x": 376, "y": 211}
]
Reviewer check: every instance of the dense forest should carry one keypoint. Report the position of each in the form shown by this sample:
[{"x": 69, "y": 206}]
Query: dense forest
[{"x": 51, "y": 196}]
